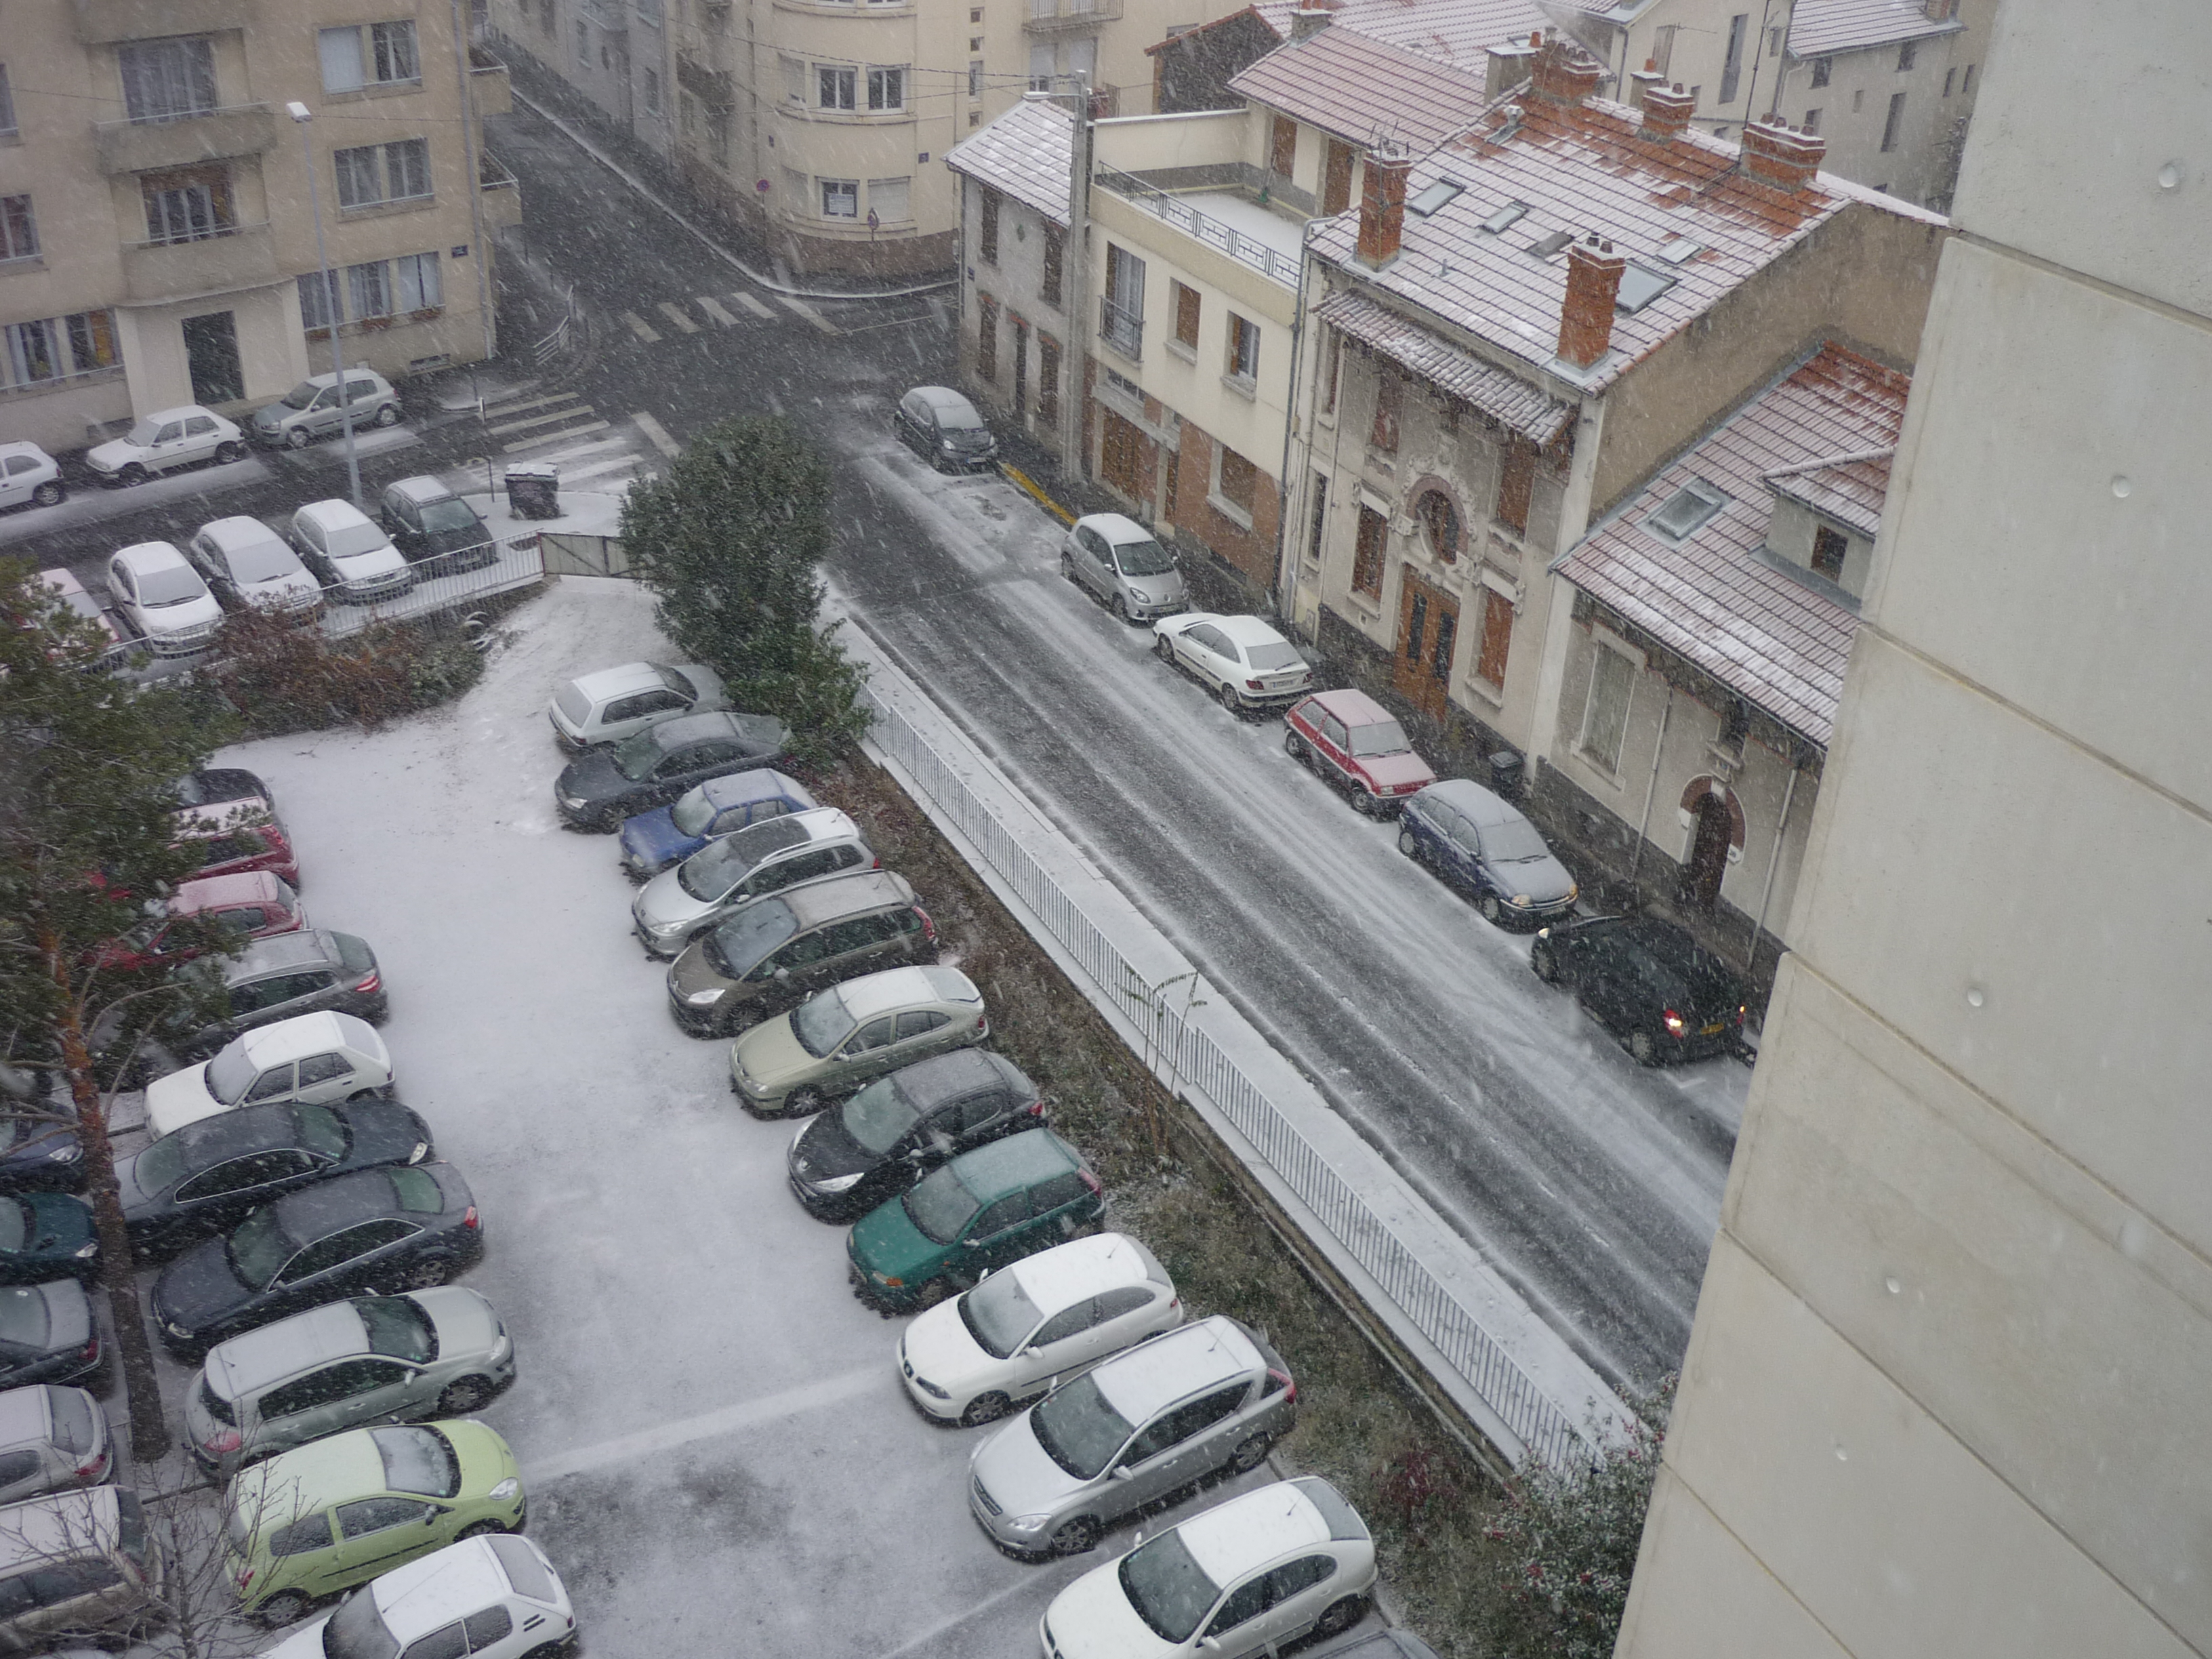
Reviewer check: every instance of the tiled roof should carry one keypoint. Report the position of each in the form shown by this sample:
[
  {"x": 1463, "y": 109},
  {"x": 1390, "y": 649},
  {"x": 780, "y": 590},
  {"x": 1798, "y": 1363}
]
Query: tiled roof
[
  {"x": 1779, "y": 643},
  {"x": 1850, "y": 489},
  {"x": 1818, "y": 28},
  {"x": 1026, "y": 153},
  {"x": 1360, "y": 89},
  {"x": 1499, "y": 393},
  {"x": 1275, "y": 13},
  {"x": 1456, "y": 31}
]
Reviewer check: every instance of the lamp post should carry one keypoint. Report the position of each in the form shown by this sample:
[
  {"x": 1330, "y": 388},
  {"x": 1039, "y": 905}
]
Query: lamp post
[{"x": 301, "y": 114}]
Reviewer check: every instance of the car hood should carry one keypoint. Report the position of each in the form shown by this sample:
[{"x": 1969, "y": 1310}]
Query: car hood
[
  {"x": 115, "y": 453},
  {"x": 591, "y": 777},
  {"x": 199, "y": 1287},
  {"x": 886, "y": 1241},
  {"x": 1545, "y": 880},
  {"x": 691, "y": 971},
  {"x": 770, "y": 1053},
  {"x": 375, "y": 562},
  {"x": 201, "y": 613},
  {"x": 384, "y": 1132},
  {"x": 653, "y": 842},
  {"x": 59, "y": 1223},
  {"x": 1392, "y": 770},
  {"x": 938, "y": 1347},
  {"x": 1091, "y": 1619},
  {"x": 306, "y": 1643},
  {"x": 485, "y": 1457},
  {"x": 663, "y": 900},
  {"x": 179, "y": 1098},
  {"x": 296, "y": 586},
  {"x": 824, "y": 1148},
  {"x": 1021, "y": 1479},
  {"x": 465, "y": 1320},
  {"x": 455, "y": 539}
]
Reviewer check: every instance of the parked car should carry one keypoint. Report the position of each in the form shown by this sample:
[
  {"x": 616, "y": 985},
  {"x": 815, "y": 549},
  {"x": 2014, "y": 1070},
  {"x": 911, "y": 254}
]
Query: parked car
[
  {"x": 207, "y": 1176},
  {"x": 165, "y": 440},
  {"x": 1475, "y": 840},
  {"x": 66, "y": 587},
  {"x": 249, "y": 565},
  {"x": 237, "y": 837},
  {"x": 280, "y": 977},
  {"x": 318, "y": 1058},
  {"x": 610, "y": 704},
  {"x": 395, "y": 1229},
  {"x": 155, "y": 590},
  {"x": 495, "y": 1597},
  {"x": 254, "y": 903},
  {"x": 356, "y": 562},
  {"x": 46, "y": 1236},
  {"x": 769, "y": 955},
  {"x": 29, "y": 477},
  {"x": 46, "y": 1334},
  {"x": 663, "y": 838},
  {"x": 312, "y": 410},
  {"x": 845, "y": 1161},
  {"x": 1004, "y": 1200},
  {"x": 1133, "y": 1430},
  {"x": 1351, "y": 741},
  {"x": 435, "y": 530},
  {"x": 77, "y": 1564},
  {"x": 1663, "y": 996},
  {"x": 599, "y": 790},
  {"x": 1034, "y": 1325},
  {"x": 1240, "y": 660},
  {"x": 1247, "y": 1577},
  {"x": 726, "y": 875},
  {"x": 844, "y": 1037},
  {"x": 439, "y": 1352},
  {"x": 50, "y": 1440},
  {"x": 1124, "y": 564},
  {"x": 224, "y": 786},
  {"x": 325, "y": 1517},
  {"x": 39, "y": 1157},
  {"x": 943, "y": 427}
]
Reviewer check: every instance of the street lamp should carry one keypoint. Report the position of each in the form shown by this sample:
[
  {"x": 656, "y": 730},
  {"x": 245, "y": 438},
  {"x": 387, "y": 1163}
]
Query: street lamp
[{"x": 301, "y": 114}]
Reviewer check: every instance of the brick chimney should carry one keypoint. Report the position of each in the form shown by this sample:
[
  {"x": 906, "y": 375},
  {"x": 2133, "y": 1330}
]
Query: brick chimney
[
  {"x": 1777, "y": 154},
  {"x": 1564, "y": 73},
  {"x": 1667, "y": 112},
  {"x": 1311, "y": 17},
  {"x": 1586, "y": 317},
  {"x": 1383, "y": 205},
  {"x": 1643, "y": 81}
]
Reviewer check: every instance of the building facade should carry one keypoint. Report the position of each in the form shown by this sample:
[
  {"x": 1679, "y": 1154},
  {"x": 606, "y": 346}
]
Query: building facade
[{"x": 161, "y": 246}]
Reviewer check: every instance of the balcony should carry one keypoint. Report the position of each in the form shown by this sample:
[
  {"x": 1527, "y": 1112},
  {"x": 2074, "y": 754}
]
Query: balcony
[
  {"x": 1225, "y": 222},
  {"x": 238, "y": 257},
  {"x": 184, "y": 141},
  {"x": 488, "y": 85},
  {"x": 101, "y": 22},
  {"x": 501, "y": 193},
  {"x": 1069, "y": 16},
  {"x": 1122, "y": 329}
]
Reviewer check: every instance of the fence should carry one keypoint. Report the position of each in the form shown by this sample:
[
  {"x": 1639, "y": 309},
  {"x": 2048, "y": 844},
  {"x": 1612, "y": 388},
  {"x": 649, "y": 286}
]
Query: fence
[
  {"x": 1216, "y": 234},
  {"x": 1544, "y": 1430},
  {"x": 549, "y": 348}
]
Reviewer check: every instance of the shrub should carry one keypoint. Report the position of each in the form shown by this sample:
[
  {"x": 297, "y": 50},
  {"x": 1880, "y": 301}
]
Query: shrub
[{"x": 283, "y": 676}]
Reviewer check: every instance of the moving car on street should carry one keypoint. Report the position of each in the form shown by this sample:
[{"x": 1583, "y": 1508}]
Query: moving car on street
[
  {"x": 771, "y": 954},
  {"x": 249, "y": 565},
  {"x": 164, "y": 441},
  {"x": 610, "y": 704},
  {"x": 726, "y": 875},
  {"x": 320, "y": 1057},
  {"x": 495, "y": 1597},
  {"x": 942, "y": 427},
  {"x": 157, "y": 593},
  {"x": 1124, "y": 564},
  {"x": 1241, "y": 661},
  {"x": 29, "y": 477},
  {"x": 353, "y": 559},
  {"x": 597, "y": 791},
  {"x": 1661, "y": 995},
  {"x": 663, "y": 838},
  {"x": 851, "y": 1034},
  {"x": 1475, "y": 841},
  {"x": 435, "y": 530},
  {"x": 312, "y": 410},
  {"x": 845, "y": 1161},
  {"x": 51, "y": 1439},
  {"x": 1351, "y": 741}
]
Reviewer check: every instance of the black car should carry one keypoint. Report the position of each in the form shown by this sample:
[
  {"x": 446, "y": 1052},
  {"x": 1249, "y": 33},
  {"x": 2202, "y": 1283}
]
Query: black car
[
  {"x": 599, "y": 789},
  {"x": 45, "y": 1236},
  {"x": 435, "y": 530},
  {"x": 219, "y": 786},
  {"x": 377, "y": 1230},
  {"x": 274, "y": 978},
  {"x": 203, "y": 1178},
  {"x": 943, "y": 427},
  {"x": 46, "y": 1334},
  {"x": 1664, "y": 995},
  {"x": 36, "y": 1151},
  {"x": 852, "y": 1158}
]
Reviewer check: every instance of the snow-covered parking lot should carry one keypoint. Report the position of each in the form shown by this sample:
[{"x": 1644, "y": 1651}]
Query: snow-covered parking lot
[{"x": 718, "y": 1453}]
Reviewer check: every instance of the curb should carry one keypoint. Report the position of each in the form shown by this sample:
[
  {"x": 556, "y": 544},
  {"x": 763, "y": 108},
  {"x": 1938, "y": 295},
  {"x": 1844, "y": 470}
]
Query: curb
[{"x": 1030, "y": 486}]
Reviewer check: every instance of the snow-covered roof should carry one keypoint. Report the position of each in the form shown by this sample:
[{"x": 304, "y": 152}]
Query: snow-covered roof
[
  {"x": 1456, "y": 31},
  {"x": 1067, "y": 1272},
  {"x": 1231, "y": 1539},
  {"x": 1776, "y": 641},
  {"x": 1848, "y": 489},
  {"x": 1818, "y": 27},
  {"x": 1362, "y": 89},
  {"x": 1159, "y": 1372},
  {"x": 1514, "y": 404},
  {"x": 1025, "y": 154}
]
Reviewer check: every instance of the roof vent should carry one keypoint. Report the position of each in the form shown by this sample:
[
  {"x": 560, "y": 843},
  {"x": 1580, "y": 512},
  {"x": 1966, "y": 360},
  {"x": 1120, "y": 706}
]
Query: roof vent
[
  {"x": 1435, "y": 196},
  {"x": 1545, "y": 247}
]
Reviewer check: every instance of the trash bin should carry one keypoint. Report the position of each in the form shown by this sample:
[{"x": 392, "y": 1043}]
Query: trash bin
[
  {"x": 1505, "y": 774},
  {"x": 533, "y": 490}
]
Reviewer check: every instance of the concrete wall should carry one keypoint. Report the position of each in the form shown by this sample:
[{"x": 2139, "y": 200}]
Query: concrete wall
[
  {"x": 1016, "y": 282},
  {"x": 1945, "y": 1387}
]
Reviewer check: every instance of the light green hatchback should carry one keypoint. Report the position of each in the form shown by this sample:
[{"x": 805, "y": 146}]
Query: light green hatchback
[{"x": 330, "y": 1514}]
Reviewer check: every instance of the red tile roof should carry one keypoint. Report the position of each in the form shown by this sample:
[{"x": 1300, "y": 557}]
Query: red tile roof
[
  {"x": 1025, "y": 154},
  {"x": 1362, "y": 90},
  {"x": 1507, "y": 399}
]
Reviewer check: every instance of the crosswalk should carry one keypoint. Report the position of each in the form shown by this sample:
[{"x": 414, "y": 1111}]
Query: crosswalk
[
  {"x": 673, "y": 315},
  {"x": 563, "y": 428}
]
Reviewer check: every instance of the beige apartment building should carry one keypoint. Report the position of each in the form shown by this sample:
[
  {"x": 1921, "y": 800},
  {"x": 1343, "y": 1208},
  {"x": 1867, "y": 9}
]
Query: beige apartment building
[
  {"x": 160, "y": 246},
  {"x": 1945, "y": 1392}
]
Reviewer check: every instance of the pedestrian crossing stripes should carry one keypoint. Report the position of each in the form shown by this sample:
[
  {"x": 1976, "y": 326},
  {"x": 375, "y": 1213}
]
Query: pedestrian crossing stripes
[
  {"x": 637, "y": 325},
  {"x": 717, "y": 310},
  {"x": 713, "y": 307},
  {"x": 800, "y": 308},
  {"x": 552, "y": 437},
  {"x": 678, "y": 315},
  {"x": 754, "y": 306}
]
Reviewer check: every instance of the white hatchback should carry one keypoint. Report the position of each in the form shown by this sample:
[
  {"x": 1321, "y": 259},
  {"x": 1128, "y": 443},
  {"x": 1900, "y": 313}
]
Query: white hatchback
[
  {"x": 166, "y": 438},
  {"x": 1241, "y": 659},
  {"x": 348, "y": 552},
  {"x": 316, "y": 1058},
  {"x": 246, "y": 562},
  {"x": 494, "y": 1597},
  {"x": 156, "y": 590},
  {"x": 29, "y": 474},
  {"x": 610, "y": 704}
]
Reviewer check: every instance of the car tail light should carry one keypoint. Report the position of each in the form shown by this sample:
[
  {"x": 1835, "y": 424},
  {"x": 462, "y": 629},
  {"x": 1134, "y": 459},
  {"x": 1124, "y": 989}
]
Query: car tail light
[
  {"x": 1674, "y": 1021},
  {"x": 877, "y": 862},
  {"x": 229, "y": 1441},
  {"x": 470, "y": 1219},
  {"x": 1741, "y": 1009},
  {"x": 91, "y": 1350},
  {"x": 928, "y": 928},
  {"x": 1283, "y": 1380},
  {"x": 982, "y": 1025},
  {"x": 373, "y": 983},
  {"x": 244, "y": 1577},
  {"x": 95, "y": 1469},
  {"x": 1090, "y": 1181},
  {"x": 1035, "y": 1108},
  {"x": 1254, "y": 685}
]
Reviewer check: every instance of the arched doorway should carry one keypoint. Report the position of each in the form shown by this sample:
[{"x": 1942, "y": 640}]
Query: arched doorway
[{"x": 1714, "y": 820}]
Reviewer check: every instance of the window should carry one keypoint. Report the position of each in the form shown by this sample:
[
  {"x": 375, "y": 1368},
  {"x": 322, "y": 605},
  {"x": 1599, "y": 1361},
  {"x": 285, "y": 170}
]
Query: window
[
  {"x": 1055, "y": 253},
  {"x": 687, "y": 114},
  {"x": 987, "y": 337},
  {"x": 986, "y": 235},
  {"x": 1686, "y": 511},
  {"x": 1640, "y": 286},
  {"x": 1662, "y": 48},
  {"x": 1605, "y": 716},
  {"x": 19, "y": 228},
  {"x": 1048, "y": 383},
  {"x": 1368, "y": 552},
  {"x": 1041, "y": 69},
  {"x": 1244, "y": 348},
  {"x": 7, "y": 105},
  {"x": 1283, "y": 146},
  {"x": 1893, "y": 121},
  {"x": 165, "y": 80},
  {"x": 975, "y": 77},
  {"x": 1812, "y": 120},
  {"x": 833, "y": 86},
  {"x": 492, "y": 1624},
  {"x": 1440, "y": 659},
  {"x": 319, "y": 299},
  {"x": 794, "y": 70},
  {"x": 888, "y": 200},
  {"x": 1949, "y": 76},
  {"x": 1334, "y": 348},
  {"x": 1516, "y": 482},
  {"x": 1440, "y": 520},
  {"x": 1186, "y": 308},
  {"x": 1774, "y": 42},
  {"x": 1905, "y": 54},
  {"x": 1967, "y": 82},
  {"x": 1858, "y": 100},
  {"x": 187, "y": 203},
  {"x": 583, "y": 44},
  {"x": 1830, "y": 548},
  {"x": 1122, "y": 314},
  {"x": 1336, "y": 177},
  {"x": 1388, "y": 394},
  {"x": 1732, "y": 65},
  {"x": 1496, "y": 637},
  {"x": 92, "y": 341},
  {"x": 301, "y": 1536},
  {"x": 1240, "y": 480},
  {"x": 652, "y": 88},
  {"x": 447, "y": 1642},
  {"x": 1822, "y": 67},
  {"x": 417, "y": 278},
  {"x": 377, "y": 54},
  {"x": 1317, "y": 524},
  {"x": 1434, "y": 198},
  {"x": 368, "y": 289},
  {"x": 376, "y": 174},
  {"x": 886, "y": 89},
  {"x": 841, "y": 199}
]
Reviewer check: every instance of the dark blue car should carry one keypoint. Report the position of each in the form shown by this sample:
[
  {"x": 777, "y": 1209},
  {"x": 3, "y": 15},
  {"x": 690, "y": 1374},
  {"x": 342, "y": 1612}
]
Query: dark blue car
[
  {"x": 657, "y": 841},
  {"x": 1475, "y": 841}
]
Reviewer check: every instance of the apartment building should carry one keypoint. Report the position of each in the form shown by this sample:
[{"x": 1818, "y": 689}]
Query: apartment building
[{"x": 160, "y": 244}]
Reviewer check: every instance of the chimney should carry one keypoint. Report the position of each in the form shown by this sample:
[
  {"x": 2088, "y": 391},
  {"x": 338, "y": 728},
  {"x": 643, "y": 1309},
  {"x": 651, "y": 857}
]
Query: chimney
[
  {"x": 1564, "y": 73},
  {"x": 1311, "y": 17},
  {"x": 1508, "y": 67},
  {"x": 1383, "y": 205},
  {"x": 1647, "y": 79},
  {"x": 1667, "y": 112},
  {"x": 1778, "y": 154},
  {"x": 1586, "y": 319}
]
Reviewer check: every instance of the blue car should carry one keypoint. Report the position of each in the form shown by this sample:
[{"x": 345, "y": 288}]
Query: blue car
[
  {"x": 655, "y": 840},
  {"x": 1475, "y": 841}
]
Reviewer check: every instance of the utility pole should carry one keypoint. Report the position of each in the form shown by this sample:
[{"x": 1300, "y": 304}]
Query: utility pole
[
  {"x": 1075, "y": 274},
  {"x": 300, "y": 113}
]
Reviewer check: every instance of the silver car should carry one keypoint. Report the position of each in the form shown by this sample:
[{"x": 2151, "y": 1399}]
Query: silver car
[
  {"x": 312, "y": 410},
  {"x": 75, "y": 1563},
  {"x": 51, "y": 1439},
  {"x": 1121, "y": 561},
  {"x": 725, "y": 876},
  {"x": 439, "y": 1352},
  {"x": 1142, "y": 1424}
]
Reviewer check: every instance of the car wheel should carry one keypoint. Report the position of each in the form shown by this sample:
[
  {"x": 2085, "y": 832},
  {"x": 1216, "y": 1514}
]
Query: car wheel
[
  {"x": 1120, "y": 610},
  {"x": 803, "y": 1102},
  {"x": 426, "y": 1274},
  {"x": 1295, "y": 747},
  {"x": 285, "y": 1607},
  {"x": 364, "y": 1094},
  {"x": 388, "y": 415},
  {"x": 985, "y": 1409},
  {"x": 49, "y": 493},
  {"x": 1230, "y": 700},
  {"x": 1339, "y": 1616},
  {"x": 1542, "y": 963},
  {"x": 1066, "y": 567},
  {"x": 225, "y": 453},
  {"x": 1642, "y": 1049},
  {"x": 1492, "y": 912},
  {"x": 1163, "y": 648},
  {"x": 1363, "y": 803},
  {"x": 1406, "y": 844},
  {"x": 298, "y": 438},
  {"x": 465, "y": 1395},
  {"x": 1249, "y": 1456},
  {"x": 1076, "y": 1537},
  {"x": 133, "y": 474},
  {"x": 480, "y": 1529}
]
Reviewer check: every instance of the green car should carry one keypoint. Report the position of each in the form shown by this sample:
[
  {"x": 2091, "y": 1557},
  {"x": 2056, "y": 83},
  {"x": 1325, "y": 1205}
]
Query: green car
[
  {"x": 997, "y": 1204},
  {"x": 332, "y": 1514}
]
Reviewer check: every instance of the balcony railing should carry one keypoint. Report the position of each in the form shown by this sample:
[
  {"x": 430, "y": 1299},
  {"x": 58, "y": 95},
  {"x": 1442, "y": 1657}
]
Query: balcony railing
[
  {"x": 100, "y": 23},
  {"x": 151, "y": 142},
  {"x": 228, "y": 258},
  {"x": 1068, "y": 16},
  {"x": 1216, "y": 234},
  {"x": 488, "y": 85},
  {"x": 501, "y": 193},
  {"x": 1122, "y": 328}
]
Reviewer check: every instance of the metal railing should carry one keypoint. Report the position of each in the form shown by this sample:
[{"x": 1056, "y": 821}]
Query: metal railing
[
  {"x": 548, "y": 347},
  {"x": 1216, "y": 234},
  {"x": 1122, "y": 329},
  {"x": 1544, "y": 1430}
]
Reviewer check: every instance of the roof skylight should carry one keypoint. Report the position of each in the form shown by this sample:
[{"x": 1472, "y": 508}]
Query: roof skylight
[
  {"x": 1686, "y": 511},
  {"x": 1639, "y": 287},
  {"x": 1545, "y": 247},
  {"x": 1511, "y": 214},
  {"x": 1680, "y": 250},
  {"x": 1435, "y": 196}
]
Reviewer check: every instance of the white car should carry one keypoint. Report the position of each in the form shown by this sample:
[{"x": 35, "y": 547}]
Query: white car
[
  {"x": 1035, "y": 1324},
  {"x": 156, "y": 590},
  {"x": 51, "y": 1439},
  {"x": 595, "y": 710},
  {"x": 1241, "y": 659},
  {"x": 494, "y": 1597},
  {"x": 169, "y": 438},
  {"x": 318, "y": 1058},
  {"x": 348, "y": 554},
  {"x": 72, "y": 594},
  {"x": 249, "y": 564},
  {"x": 29, "y": 474},
  {"x": 1124, "y": 564},
  {"x": 1247, "y": 1577}
]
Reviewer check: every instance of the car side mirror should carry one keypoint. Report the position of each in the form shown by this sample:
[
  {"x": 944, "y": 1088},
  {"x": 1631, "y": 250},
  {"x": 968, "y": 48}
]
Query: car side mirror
[
  {"x": 1121, "y": 1472},
  {"x": 914, "y": 1155},
  {"x": 1211, "y": 1643},
  {"x": 783, "y": 975}
]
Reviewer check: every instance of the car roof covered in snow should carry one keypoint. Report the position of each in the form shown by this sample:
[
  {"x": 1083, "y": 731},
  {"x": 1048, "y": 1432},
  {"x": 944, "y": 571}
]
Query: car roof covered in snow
[
  {"x": 900, "y": 988},
  {"x": 1231, "y": 1538},
  {"x": 1167, "y": 1368},
  {"x": 1066, "y": 1274}
]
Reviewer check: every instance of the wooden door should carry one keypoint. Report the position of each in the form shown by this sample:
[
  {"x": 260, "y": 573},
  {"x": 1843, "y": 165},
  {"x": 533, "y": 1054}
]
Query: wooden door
[
  {"x": 1428, "y": 635},
  {"x": 1118, "y": 454},
  {"x": 1701, "y": 880}
]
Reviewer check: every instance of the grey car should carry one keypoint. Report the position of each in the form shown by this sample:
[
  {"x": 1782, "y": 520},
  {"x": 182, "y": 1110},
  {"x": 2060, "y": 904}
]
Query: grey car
[
  {"x": 1475, "y": 840},
  {"x": 312, "y": 410},
  {"x": 439, "y": 1352},
  {"x": 773, "y": 953},
  {"x": 284, "y": 975},
  {"x": 725, "y": 876},
  {"x": 1139, "y": 1427},
  {"x": 1121, "y": 561}
]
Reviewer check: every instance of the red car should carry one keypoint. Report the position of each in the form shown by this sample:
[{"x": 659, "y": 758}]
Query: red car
[
  {"x": 1351, "y": 741},
  {"x": 254, "y": 903},
  {"x": 237, "y": 836}
]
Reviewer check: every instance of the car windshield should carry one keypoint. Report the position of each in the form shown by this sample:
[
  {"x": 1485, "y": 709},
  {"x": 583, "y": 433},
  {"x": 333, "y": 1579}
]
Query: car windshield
[
  {"x": 940, "y": 1206},
  {"x": 172, "y": 584},
  {"x": 259, "y": 1249},
  {"x": 1513, "y": 842},
  {"x": 1143, "y": 558},
  {"x": 319, "y": 1130},
  {"x": 301, "y": 395},
  {"x": 230, "y": 1074},
  {"x": 1276, "y": 655},
  {"x": 878, "y": 1115},
  {"x": 418, "y": 1460},
  {"x": 958, "y": 417},
  {"x": 746, "y": 939},
  {"x": 356, "y": 1630},
  {"x": 398, "y": 1327},
  {"x": 161, "y": 1164},
  {"x": 261, "y": 561},
  {"x": 1169, "y": 1590},
  {"x": 672, "y": 681},
  {"x": 693, "y": 813},
  {"x": 636, "y": 758},
  {"x": 15, "y": 1223},
  {"x": 143, "y": 434},
  {"x": 713, "y": 870},
  {"x": 350, "y": 541},
  {"x": 215, "y": 1404},
  {"x": 1078, "y": 1430},
  {"x": 450, "y": 513},
  {"x": 24, "y": 1321},
  {"x": 571, "y": 701},
  {"x": 821, "y": 1023},
  {"x": 1381, "y": 738},
  {"x": 999, "y": 1314}
]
